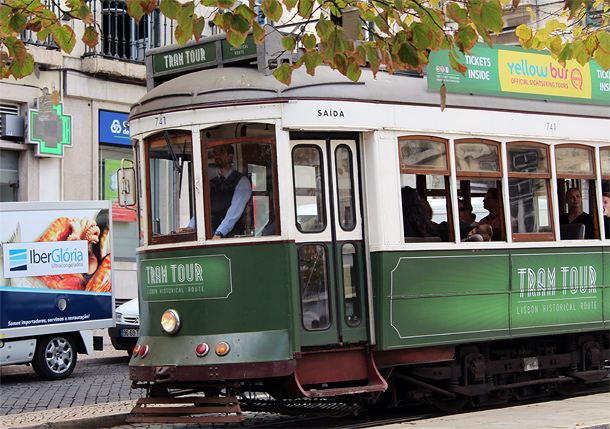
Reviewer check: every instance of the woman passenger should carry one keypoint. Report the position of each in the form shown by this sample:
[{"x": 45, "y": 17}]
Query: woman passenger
[{"x": 576, "y": 214}]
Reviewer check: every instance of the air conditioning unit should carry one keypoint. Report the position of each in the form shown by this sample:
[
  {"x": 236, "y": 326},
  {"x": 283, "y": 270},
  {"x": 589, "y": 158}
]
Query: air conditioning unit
[{"x": 12, "y": 127}]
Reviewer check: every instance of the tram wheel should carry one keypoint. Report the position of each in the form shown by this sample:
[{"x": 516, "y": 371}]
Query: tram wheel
[
  {"x": 568, "y": 389},
  {"x": 445, "y": 404}
]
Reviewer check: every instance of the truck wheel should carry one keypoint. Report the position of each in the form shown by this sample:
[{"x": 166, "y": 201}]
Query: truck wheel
[{"x": 55, "y": 357}]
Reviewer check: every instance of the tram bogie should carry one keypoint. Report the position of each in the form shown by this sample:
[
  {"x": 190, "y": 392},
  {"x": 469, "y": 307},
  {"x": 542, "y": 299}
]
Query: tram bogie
[{"x": 315, "y": 289}]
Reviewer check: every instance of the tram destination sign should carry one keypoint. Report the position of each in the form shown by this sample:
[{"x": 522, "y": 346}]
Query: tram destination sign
[
  {"x": 513, "y": 72},
  {"x": 202, "y": 55},
  {"x": 196, "y": 277}
]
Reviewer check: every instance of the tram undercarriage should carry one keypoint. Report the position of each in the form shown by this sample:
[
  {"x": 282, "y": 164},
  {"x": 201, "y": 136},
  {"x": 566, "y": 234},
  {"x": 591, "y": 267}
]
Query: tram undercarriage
[{"x": 478, "y": 374}]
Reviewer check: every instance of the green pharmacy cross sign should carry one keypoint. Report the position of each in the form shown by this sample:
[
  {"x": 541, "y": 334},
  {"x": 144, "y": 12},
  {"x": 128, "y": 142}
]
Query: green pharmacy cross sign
[{"x": 50, "y": 130}]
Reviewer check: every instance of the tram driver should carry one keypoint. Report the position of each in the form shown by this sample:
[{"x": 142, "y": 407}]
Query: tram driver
[{"x": 230, "y": 191}]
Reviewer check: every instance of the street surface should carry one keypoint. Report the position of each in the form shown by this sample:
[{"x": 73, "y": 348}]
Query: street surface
[{"x": 99, "y": 394}]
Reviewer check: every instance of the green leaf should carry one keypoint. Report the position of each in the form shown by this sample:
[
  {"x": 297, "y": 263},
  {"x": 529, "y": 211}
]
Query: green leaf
[
  {"x": 422, "y": 36},
  {"x": 272, "y": 9},
  {"x": 309, "y": 41},
  {"x": 456, "y": 65},
  {"x": 246, "y": 12},
  {"x": 134, "y": 9},
  {"x": 17, "y": 22},
  {"x": 283, "y": 73},
  {"x": 523, "y": 33},
  {"x": 305, "y": 8},
  {"x": 604, "y": 40},
  {"x": 372, "y": 55},
  {"x": 16, "y": 49},
  {"x": 465, "y": 39},
  {"x": 456, "y": 13},
  {"x": 170, "y": 8},
  {"x": 290, "y": 4},
  {"x": 90, "y": 36},
  {"x": 64, "y": 36},
  {"x": 258, "y": 33},
  {"x": 198, "y": 27},
  {"x": 184, "y": 27},
  {"x": 408, "y": 54},
  {"x": 148, "y": 6},
  {"x": 554, "y": 45},
  {"x": 565, "y": 54},
  {"x": 324, "y": 28},
  {"x": 580, "y": 52},
  {"x": 603, "y": 58},
  {"x": 289, "y": 43},
  {"x": 551, "y": 25},
  {"x": 353, "y": 71},
  {"x": 491, "y": 16},
  {"x": 22, "y": 70},
  {"x": 312, "y": 60}
]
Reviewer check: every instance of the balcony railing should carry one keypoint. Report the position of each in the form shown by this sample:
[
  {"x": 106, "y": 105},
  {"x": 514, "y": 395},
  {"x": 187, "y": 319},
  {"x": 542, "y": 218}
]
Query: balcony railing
[
  {"x": 124, "y": 39},
  {"x": 121, "y": 37}
]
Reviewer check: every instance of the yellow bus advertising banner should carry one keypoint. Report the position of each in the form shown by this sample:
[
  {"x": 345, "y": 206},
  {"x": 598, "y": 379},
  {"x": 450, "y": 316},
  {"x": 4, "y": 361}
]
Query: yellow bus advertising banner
[{"x": 513, "y": 72}]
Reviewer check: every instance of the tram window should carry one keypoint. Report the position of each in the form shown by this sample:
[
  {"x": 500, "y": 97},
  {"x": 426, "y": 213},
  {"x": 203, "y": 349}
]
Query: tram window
[
  {"x": 576, "y": 188},
  {"x": 240, "y": 197},
  {"x": 528, "y": 171},
  {"x": 314, "y": 285},
  {"x": 424, "y": 167},
  {"x": 345, "y": 188},
  {"x": 479, "y": 174},
  {"x": 351, "y": 297},
  {"x": 604, "y": 155},
  {"x": 425, "y": 212},
  {"x": 170, "y": 176},
  {"x": 308, "y": 189},
  {"x": 423, "y": 153}
]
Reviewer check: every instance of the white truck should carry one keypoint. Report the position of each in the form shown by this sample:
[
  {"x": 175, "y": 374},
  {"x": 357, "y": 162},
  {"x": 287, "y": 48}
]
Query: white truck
[{"x": 55, "y": 283}]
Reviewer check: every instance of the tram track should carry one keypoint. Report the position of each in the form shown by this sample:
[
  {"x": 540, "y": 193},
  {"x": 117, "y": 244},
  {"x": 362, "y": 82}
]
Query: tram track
[{"x": 408, "y": 414}]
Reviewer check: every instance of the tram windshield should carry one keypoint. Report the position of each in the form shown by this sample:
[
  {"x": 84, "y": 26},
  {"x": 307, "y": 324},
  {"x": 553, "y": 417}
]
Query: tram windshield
[{"x": 170, "y": 174}]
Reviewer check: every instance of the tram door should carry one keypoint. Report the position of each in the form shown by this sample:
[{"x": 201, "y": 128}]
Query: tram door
[{"x": 329, "y": 241}]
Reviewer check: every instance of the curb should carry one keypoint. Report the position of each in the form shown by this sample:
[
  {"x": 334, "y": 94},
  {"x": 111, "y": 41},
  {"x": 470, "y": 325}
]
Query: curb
[{"x": 86, "y": 416}]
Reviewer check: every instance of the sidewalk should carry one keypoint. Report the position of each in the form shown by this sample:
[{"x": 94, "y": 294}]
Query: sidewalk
[{"x": 88, "y": 416}]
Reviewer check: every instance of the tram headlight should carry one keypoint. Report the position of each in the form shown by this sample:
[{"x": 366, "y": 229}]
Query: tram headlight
[{"x": 170, "y": 321}]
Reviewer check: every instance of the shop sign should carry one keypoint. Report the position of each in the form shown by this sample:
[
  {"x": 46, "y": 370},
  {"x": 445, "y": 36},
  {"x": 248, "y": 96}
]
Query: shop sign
[
  {"x": 113, "y": 128},
  {"x": 50, "y": 130}
]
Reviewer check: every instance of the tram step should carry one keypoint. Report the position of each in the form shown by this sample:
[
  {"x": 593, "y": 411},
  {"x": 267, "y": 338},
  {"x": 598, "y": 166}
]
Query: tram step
[
  {"x": 191, "y": 409},
  {"x": 321, "y": 393}
]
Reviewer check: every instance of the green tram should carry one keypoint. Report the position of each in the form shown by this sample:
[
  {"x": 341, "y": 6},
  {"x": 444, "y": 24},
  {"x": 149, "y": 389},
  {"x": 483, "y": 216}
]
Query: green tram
[{"x": 319, "y": 294}]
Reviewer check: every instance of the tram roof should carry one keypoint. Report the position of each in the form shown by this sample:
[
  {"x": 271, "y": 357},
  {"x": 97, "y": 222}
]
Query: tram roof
[{"x": 242, "y": 85}]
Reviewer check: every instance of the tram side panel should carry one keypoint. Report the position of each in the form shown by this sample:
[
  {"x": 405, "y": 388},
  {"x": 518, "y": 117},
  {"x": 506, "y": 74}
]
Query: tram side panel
[
  {"x": 558, "y": 290},
  {"x": 235, "y": 294},
  {"x": 432, "y": 298}
]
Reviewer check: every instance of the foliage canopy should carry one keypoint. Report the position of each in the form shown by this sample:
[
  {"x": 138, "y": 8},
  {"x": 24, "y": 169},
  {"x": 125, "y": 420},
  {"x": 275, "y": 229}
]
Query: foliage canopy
[{"x": 345, "y": 34}]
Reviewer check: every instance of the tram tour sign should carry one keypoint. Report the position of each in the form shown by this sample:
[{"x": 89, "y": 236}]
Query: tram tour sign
[
  {"x": 196, "y": 277},
  {"x": 513, "y": 72}
]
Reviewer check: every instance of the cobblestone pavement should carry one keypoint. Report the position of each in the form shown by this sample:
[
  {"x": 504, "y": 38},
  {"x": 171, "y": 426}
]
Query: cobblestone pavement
[{"x": 98, "y": 386}]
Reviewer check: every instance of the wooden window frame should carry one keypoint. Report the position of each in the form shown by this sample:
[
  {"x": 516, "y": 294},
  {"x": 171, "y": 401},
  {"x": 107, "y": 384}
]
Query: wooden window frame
[
  {"x": 165, "y": 238},
  {"x": 479, "y": 174},
  {"x": 589, "y": 176},
  {"x": 537, "y": 236},
  {"x": 423, "y": 170}
]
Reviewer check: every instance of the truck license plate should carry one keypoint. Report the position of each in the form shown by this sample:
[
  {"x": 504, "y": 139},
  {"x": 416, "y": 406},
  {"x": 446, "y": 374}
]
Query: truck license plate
[{"x": 130, "y": 332}]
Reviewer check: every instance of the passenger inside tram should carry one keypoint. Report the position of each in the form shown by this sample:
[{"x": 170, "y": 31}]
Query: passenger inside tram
[
  {"x": 576, "y": 214},
  {"x": 230, "y": 191},
  {"x": 416, "y": 221},
  {"x": 606, "y": 199},
  {"x": 491, "y": 204}
]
